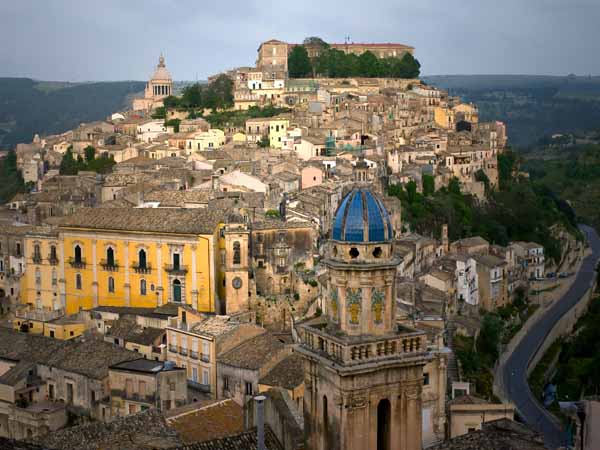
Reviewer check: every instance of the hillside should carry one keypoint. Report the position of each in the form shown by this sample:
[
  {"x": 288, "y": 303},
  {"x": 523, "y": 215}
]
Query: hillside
[
  {"x": 531, "y": 106},
  {"x": 28, "y": 106}
]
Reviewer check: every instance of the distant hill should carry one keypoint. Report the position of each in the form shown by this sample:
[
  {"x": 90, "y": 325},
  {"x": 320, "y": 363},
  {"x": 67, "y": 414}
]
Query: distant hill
[
  {"x": 532, "y": 106},
  {"x": 28, "y": 106}
]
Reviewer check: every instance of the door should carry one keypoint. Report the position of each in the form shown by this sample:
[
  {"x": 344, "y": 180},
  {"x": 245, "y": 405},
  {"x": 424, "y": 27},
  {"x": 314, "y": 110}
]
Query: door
[{"x": 177, "y": 291}]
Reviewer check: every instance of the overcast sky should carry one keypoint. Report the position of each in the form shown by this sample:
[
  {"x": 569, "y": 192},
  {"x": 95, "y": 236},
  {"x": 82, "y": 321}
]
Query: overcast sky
[{"x": 80, "y": 40}]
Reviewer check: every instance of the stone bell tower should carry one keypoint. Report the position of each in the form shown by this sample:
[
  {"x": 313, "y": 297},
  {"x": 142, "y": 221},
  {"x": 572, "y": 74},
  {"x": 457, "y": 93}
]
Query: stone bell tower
[
  {"x": 363, "y": 371},
  {"x": 236, "y": 283}
]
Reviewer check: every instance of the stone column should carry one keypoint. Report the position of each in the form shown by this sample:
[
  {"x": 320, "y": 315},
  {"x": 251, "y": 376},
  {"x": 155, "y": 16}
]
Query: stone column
[
  {"x": 127, "y": 283},
  {"x": 95, "y": 272},
  {"x": 159, "y": 274},
  {"x": 194, "y": 279}
]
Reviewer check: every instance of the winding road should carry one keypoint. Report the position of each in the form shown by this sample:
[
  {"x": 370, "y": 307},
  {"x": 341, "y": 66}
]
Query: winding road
[{"x": 514, "y": 372}]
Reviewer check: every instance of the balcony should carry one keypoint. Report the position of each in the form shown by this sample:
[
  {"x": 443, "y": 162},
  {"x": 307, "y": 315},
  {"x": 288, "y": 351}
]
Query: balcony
[
  {"x": 176, "y": 269},
  {"x": 173, "y": 348},
  {"x": 141, "y": 269},
  {"x": 198, "y": 386},
  {"x": 41, "y": 315},
  {"x": 183, "y": 351},
  {"x": 194, "y": 355},
  {"x": 109, "y": 266},
  {"x": 37, "y": 259},
  {"x": 77, "y": 264},
  {"x": 204, "y": 357},
  {"x": 53, "y": 260}
]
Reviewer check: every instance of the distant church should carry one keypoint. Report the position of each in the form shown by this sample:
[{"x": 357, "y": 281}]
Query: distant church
[
  {"x": 363, "y": 372},
  {"x": 159, "y": 87}
]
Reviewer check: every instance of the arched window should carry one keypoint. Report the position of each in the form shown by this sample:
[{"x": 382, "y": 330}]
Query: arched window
[
  {"x": 110, "y": 257},
  {"x": 78, "y": 281},
  {"x": 142, "y": 287},
  {"x": 237, "y": 253},
  {"x": 36, "y": 251},
  {"x": 111, "y": 284},
  {"x": 53, "y": 252},
  {"x": 77, "y": 254},
  {"x": 177, "y": 291},
  {"x": 142, "y": 259}
]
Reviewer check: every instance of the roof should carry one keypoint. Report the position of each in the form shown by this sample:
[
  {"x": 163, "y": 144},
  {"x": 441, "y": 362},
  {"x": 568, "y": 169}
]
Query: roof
[
  {"x": 362, "y": 217},
  {"x": 471, "y": 242},
  {"x": 140, "y": 431},
  {"x": 90, "y": 357},
  {"x": 158, "y": 313},
  {"x": 247, "y": 441},
  {"x": 127, "y": 328},
  {"x": 468, "y": 400},
  {"x": 218, "y": 419},
  {"x": 288, "y": 374},
  {"x": 155, "y": 220},
  {"x": 489, "y": 261},
  {"x": 256, "y": 352},
  {"x": 501, "y": 434},
  {"x": 161, "y": 73}
]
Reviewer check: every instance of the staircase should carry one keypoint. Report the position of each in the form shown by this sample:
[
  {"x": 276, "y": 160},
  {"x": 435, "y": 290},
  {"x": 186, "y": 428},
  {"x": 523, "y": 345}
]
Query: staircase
[{"x": 452, "y": 369}]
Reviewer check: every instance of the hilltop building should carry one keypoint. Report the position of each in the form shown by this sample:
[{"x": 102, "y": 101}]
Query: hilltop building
[{"x": 159, "y": 87}]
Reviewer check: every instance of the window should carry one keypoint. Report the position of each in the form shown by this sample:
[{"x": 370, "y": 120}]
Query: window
[
  {"x": 142, "y": 388},
  {"x": 225, "y": 383},
  {"x": 237, "y": 256},
  {"x": 78, "y": 281},
  {"x": 425, "y": 379},
  {"x": 18, "y": 249},
  {"x": 77, "y": 254},
  {"x": 110, "y": 257},
  {"x": 93, "y": 396},
  {"x": 248, "y": 389},
  {"x": 51, "y": 333},
  {"x": 69, "y": 393},
  {"x": 51, "y": 391},
  {"x": 205, "y": 377},
  {"x": 195, "y": 374},
  {"x": 142, "y": 287},
  {"x": 142, "y": 259},
  {"x": 111, "y": 284},
  {"x": 205, "y": 351},
  {"x": 37, "y": 254},
  {"x": 128, "y": 386},
  {"x": 177, "y": 291},
  {"x": 176, "y": 261}
]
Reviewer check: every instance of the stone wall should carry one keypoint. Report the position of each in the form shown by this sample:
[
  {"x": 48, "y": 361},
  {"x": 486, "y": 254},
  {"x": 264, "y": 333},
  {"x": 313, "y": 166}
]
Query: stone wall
[{"x": 564, "y": 326}]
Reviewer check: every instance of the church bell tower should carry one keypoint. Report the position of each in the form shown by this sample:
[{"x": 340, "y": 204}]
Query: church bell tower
[{"x": 363, "y": 371}]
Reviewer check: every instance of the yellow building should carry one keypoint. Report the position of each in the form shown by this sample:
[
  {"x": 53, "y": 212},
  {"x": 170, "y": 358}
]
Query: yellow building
[
  {"x": 277, "y": 131},
  {"x": 444, "y": 117},
  {"x": 141, "y": 258}
]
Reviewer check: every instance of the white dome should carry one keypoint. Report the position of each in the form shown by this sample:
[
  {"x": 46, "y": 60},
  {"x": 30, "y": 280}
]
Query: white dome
[{"x": 161, "y": 73}]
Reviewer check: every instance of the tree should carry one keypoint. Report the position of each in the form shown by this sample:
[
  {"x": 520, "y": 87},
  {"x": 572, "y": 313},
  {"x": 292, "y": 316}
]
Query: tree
[
  {"x": 264, "y": 141},
  {"x": 299, "y": 65},
  {"x": 90, "y": 153},
  {"x": 481, "y": 176},
  {"x": 368, "y": 64},
  {"x": 173, "y": 123},
  {"x": 489, "y": 336},
  {"x": 428, "y": 185},
  {"x": 159, "y": 113},
  {"x": 410, "y": 67},
  {"x": 68, "y": 165},
  {"x": 171, "y": 102}
]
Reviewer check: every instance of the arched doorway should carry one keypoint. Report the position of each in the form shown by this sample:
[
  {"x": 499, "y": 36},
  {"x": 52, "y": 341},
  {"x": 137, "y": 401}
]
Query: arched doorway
[
  {"x": 383, "y": 424},
  {"x": 325, "y": 442},
  {"x": 177, "y": 291}
]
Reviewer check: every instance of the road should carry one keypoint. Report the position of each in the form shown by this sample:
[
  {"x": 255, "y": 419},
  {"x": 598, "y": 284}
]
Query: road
[{"x": 514, "y": 372}]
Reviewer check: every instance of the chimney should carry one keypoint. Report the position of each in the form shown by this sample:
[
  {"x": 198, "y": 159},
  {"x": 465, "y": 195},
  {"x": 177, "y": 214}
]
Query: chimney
[{"x": 260, "y": 421}]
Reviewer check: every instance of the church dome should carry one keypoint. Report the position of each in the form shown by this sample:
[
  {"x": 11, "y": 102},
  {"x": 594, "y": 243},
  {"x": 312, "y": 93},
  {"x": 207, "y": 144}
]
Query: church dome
[
  {"x": 161, "y": 73},
  {"x": 362, "y": 217}
]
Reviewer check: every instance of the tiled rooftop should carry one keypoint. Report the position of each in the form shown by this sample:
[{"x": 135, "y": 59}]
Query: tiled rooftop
[
  {"x": 288, "y": 374},
  {"x": 255, "y": 352}
]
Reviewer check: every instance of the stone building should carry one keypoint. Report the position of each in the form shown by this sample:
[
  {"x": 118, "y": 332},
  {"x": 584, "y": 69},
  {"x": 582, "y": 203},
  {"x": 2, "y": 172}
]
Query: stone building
[
  {"x": 159, "y": 87},
  {"x": 363, "y": 371},
  {"x": 143, "y": 384}
]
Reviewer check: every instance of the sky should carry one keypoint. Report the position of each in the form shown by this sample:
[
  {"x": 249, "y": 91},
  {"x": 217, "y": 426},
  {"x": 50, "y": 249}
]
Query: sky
[{"x": 84, "y": 40}]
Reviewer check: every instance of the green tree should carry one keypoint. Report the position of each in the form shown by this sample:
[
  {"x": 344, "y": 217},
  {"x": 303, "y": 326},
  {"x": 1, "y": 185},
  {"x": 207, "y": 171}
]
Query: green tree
[
  {"x": 159, "y": 113},
  {"x": 428, "y": 185},
  {"x": 173, "y": 123},
  {"x": 299, "y": 65},
  {"x": 68, "y": 164},
  {"x": 481, "y": 176},
  {"x": 368, "y": 65},
  {"x": 264, "y": 141},
  {"x": 90, "y": 153},
  {"x": 489, "y": 337},
  {"x": 171, "y": 102}
]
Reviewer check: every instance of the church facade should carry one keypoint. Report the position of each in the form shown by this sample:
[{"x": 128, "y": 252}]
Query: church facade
[{"x": 363, "y": 371}]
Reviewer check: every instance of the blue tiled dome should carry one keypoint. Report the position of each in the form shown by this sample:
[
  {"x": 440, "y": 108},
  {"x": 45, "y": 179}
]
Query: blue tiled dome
[{"x": 362, "y": 217}]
